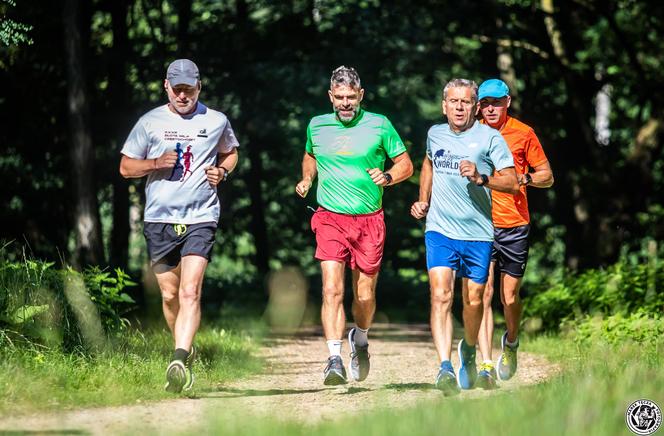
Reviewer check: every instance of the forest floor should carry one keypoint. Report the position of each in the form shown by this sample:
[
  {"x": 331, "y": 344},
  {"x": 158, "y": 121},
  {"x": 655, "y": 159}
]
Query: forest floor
[{"x": 403, "y": 368}]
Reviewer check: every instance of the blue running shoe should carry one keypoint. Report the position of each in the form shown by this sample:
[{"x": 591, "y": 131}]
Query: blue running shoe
[
  {"x": 486, "y": 378},
  {"x": 359, "y": 358},
  {"x": 507, "y": 360},
  {"x": 335, "y": 373},
  {"x": 446, "y": 379},
  {"x": 467, "y": 371}
]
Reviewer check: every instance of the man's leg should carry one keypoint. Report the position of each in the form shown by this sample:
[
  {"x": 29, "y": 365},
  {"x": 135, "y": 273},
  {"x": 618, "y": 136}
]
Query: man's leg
[
  {"x": 333, "y": 318},
  {"x": 441, "y": 280},
  {"x": 364, "y": 298},
  {"x": 189, "y": 316},
  {"x": 169, "y": 284},
  {"x": 509, "y": 287},
  {"x": 364, "y": 308},
  {"x": 472, "y": 318},
  {"x": 485, "y": 337}
]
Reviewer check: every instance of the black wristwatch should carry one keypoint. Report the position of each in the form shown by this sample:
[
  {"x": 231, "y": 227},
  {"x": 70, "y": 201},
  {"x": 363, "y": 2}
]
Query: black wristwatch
[
  {"x": 485, "y": 180},
  {"x": 225, "y": 176},
  {"x": 529, "y": 178},
  {"x": 388, "y": 178}
]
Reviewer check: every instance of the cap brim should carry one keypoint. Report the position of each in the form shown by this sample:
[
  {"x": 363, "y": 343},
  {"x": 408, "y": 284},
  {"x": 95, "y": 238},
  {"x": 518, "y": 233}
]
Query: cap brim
[
  {"x": 183, "y": 81},
  {"x": 493, "y": 95}
]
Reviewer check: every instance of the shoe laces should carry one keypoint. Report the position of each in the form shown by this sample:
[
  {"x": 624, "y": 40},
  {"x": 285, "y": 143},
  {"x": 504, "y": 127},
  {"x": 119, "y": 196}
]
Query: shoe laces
[{"x": 486, "y": 366}]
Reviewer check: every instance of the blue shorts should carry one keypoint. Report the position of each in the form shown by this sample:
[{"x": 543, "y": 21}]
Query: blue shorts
[{"x": 470, "y": 258}]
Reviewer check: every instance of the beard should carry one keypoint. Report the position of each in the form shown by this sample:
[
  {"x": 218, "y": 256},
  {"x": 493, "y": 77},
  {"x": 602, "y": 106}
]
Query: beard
[{"x": 346, "y": 118}]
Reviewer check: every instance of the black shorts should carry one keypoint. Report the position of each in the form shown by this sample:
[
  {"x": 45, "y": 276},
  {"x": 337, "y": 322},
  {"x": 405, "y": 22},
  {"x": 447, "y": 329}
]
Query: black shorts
[
  {"x": 510, "y": 250},
  {"x": 168, "y": 243}
]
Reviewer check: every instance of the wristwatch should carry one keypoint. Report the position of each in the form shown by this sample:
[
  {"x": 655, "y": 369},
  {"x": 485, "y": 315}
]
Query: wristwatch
[
  {"x": 529, "y": 178},
  {"x": 225, "y": 176},
  {"x": 388, "y": 178},
  {"x": 485, "y": 180}
]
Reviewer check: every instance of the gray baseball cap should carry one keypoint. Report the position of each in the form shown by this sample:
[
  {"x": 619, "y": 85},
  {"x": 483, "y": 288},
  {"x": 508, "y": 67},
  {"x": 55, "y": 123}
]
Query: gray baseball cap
[{"x": 182, "y": 72}]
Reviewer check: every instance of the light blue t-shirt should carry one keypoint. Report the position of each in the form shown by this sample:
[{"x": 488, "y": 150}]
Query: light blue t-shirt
[{"x": 459, "y": 209}]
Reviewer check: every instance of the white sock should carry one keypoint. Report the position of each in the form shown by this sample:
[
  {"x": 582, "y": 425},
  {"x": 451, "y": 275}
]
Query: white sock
[
  {"x": 512, "y": 344},
  {"x": 360, "y": 336},
  {"x": 334, "y": 346},
  {"x": 488, "y": 362}
]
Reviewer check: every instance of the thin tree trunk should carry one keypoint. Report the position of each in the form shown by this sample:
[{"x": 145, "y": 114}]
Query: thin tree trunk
[
  {"x": 87, "y": 228},
  {"x": 118, "y": 92},
  {"x": 184, "y": 18}
]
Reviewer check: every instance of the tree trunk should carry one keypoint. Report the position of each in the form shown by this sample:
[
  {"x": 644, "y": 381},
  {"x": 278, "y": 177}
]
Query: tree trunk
[
  {"x": 118, "y": 92},
  {"x": 87, "y": 228},
  {"x": 184, "y": 18}
]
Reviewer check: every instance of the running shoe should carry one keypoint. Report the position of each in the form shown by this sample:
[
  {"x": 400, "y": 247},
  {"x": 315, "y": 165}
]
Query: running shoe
[
  {"x": 359, "y": 358},
  {"x": 486, "y": 378},
  {"x": 467, "y": 370},
  {"x": 189, "y": 364},
  {"x": 335, "y": 373},
  {"x": 177, "y": 376},
  {"x": 507, "y": 360},
  {"x": 446, "y": 379}
]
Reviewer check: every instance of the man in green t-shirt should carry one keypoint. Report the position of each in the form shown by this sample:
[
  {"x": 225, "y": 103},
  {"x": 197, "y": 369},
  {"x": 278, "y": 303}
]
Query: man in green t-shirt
[{"x": 347, "y": 149}]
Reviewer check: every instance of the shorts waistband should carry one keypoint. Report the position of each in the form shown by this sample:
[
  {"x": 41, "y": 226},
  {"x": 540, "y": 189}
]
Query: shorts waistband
[{"x": 322, "y": 209}]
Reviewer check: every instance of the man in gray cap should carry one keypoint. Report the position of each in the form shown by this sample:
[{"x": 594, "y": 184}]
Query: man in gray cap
[{"x": 182, "y": 206}]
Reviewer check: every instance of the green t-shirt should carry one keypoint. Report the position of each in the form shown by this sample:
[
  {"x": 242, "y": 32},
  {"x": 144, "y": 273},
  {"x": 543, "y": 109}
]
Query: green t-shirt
[{"x": 344, "y": 152}]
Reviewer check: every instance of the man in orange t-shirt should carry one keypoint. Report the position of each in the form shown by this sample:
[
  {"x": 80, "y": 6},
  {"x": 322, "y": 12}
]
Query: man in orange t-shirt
[{"x": 511, "y": 222}]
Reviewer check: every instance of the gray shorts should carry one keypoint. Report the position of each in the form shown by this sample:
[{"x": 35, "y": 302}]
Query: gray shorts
[
  {"x": 510, "y": 249},
  {"x": 168, "y": 243}
]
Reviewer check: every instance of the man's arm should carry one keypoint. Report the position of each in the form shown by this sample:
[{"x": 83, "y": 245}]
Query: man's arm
[
  {"x": 226, "y": 163},
  {"x": 420, "y": 208},
  {"x": 309, "y": 172},
  {"x": 132, "y": 168},
  {"x": 400, "y": 171},
  {"x": 504, "y": 180},
  {"x": 542, "y": 176}
]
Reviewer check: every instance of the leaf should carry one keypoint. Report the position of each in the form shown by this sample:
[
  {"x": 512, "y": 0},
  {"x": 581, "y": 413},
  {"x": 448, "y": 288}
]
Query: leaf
[{"x": 25, "y": 313}]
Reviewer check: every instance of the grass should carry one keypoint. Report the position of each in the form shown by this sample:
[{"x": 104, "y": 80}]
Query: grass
[
  {"x": 589, "y": 397},
  {"x": 133, "y": 371}
]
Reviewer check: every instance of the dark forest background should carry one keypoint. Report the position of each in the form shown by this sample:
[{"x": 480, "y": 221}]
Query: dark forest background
[{"x": 77, "y": 74}]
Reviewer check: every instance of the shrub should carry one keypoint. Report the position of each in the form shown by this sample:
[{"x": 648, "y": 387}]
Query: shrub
[{"x": 44, "y": 306}]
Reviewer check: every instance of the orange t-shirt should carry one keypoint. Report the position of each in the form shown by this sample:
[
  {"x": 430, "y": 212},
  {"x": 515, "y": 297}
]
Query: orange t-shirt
[{"x": 512, "y": 210}]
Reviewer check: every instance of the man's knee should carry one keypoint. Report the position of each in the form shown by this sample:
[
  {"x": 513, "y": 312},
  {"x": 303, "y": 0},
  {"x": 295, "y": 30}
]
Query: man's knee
[
  {"x": 441, "y": 297},
  {"x": 487, "y": 296},
  {"x": 332, "y": 292},
  {"x": 510, "y": 297},
  {"x": 190, "y": 293},
  {"x": 474, "y": 296},
  {"x": 169, "y": 297}
]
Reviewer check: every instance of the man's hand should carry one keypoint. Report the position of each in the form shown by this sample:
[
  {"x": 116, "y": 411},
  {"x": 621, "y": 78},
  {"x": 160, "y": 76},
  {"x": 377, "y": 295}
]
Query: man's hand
[
  {"x": 166, "y": 160},
  {"x": 302, "y": 188},
  {"x": 214, "y": 175},
  {"x": 419, "y": 209},
  {"x": 377, "y": 176},
  {"x": 468, "y": 170}
]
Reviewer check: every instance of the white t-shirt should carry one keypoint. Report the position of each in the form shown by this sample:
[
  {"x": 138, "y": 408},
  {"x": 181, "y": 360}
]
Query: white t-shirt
[{"x": 182, "y": 194}]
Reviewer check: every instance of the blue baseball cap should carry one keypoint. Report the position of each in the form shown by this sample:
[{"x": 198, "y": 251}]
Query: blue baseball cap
[{"x": 495, "y": 88}]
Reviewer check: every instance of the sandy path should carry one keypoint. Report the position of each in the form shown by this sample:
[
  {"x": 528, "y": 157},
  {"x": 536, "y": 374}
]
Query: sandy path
[{"x": 403, "y": 364}]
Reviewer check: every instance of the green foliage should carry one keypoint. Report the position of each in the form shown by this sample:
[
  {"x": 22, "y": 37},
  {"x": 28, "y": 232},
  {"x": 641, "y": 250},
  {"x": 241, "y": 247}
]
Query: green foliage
[
  {"x": 41, "y": 305},
  {"x": 630, "y": 289},
  {"x": 642, "y": 328},
  {"x": 12, "y": 32}
]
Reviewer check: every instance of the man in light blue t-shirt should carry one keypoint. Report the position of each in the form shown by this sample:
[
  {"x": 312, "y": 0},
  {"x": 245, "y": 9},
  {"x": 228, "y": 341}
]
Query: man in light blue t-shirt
[{"x": 464, "y": 160}]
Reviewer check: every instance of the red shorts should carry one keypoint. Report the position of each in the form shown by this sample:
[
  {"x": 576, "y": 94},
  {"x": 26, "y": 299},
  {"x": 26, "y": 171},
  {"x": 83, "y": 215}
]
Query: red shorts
[{"x": 357, "y": 240}]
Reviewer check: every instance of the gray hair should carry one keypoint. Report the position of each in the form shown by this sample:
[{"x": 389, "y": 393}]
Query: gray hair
[
  {"x": 345, "y": 76},
  {"x": 461, "y": 83}
]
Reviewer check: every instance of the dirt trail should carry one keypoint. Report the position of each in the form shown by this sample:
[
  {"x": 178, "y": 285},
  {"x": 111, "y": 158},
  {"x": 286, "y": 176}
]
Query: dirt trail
[{"x": 403, "y": 366}]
